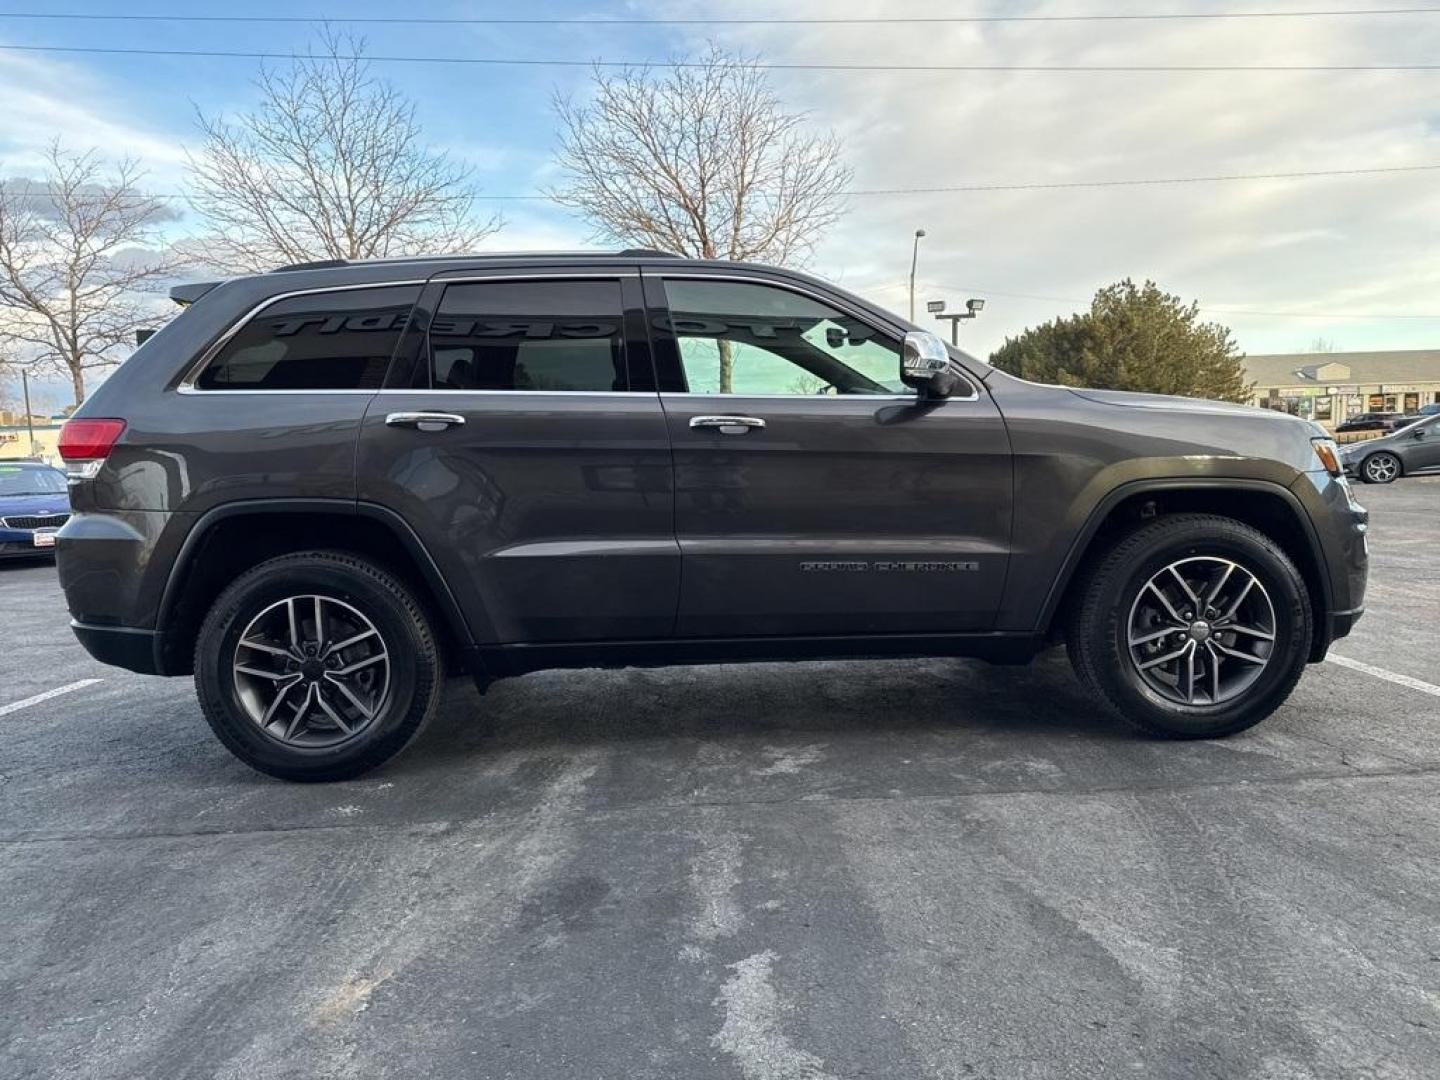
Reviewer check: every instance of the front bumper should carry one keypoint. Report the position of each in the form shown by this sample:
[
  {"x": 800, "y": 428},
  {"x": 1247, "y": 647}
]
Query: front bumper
[{"x": 20, "y": 544}]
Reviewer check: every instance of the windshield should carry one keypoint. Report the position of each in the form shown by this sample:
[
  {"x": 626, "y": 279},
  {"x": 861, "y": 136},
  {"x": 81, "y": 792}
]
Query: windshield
[{"x": 31, "y": 480}]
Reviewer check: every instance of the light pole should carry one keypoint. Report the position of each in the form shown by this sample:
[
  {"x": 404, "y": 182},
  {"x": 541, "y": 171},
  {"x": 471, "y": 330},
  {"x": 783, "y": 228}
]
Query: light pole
[
  {"x": 914, "y": 255},
  {"x": 29, "y": 420},
  {"x": 973, "y": 307}
]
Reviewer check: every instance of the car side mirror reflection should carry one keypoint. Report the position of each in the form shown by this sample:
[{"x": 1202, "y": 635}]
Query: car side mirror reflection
[{"x": 925, "y": 365}]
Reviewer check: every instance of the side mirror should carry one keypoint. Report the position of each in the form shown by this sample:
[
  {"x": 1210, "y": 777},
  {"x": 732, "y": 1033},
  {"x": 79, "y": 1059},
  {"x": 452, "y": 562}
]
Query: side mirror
[{"x": 925, "y": 365}]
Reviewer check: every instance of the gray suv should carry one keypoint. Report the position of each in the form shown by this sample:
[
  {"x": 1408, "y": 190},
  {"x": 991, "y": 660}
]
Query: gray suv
[{"x": 323, "y": 489}]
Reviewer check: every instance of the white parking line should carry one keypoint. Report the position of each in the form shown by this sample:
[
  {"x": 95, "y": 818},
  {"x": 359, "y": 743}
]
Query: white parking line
[
  {"x": 16, "y": 706},
  {"x": 1388, "y": 676}
]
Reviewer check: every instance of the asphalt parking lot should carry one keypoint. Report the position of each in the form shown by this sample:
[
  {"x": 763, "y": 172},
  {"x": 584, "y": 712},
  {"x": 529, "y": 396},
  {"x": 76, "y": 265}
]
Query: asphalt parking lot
[{"x": 883, "y": 869}]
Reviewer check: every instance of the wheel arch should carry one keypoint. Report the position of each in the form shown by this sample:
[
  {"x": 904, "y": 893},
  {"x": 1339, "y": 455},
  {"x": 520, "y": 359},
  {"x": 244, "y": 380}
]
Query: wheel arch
[
  {"x": 1270, "y": 507},
  {"x": 228, "y": 540}
]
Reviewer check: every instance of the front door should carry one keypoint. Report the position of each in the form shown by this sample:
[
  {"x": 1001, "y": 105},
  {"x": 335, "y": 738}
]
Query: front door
[
  {"x": 1423, "y": 453},
  {"x": 522, "y": 439},
  {"x": 815, "y": 494}
]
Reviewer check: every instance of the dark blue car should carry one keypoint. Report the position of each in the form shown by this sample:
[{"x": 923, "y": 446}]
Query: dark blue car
[{"x": 34, "y": 503}]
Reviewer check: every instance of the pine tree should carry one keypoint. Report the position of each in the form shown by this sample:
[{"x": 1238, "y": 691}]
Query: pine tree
[{"x": 1132, "y": 338}]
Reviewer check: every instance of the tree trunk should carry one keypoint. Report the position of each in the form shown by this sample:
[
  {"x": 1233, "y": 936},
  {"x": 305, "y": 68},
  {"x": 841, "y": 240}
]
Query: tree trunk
[
  {"x": 727, "y": 364},
  {"x": 77, "y": 381}
]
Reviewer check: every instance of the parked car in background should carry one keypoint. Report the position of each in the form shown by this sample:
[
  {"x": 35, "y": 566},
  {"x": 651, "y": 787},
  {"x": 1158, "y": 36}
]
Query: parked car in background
[
  {"x": 1370, "y": 421},
  {"x": 1413, "y": 450},
  {"x": 34, "y": 503},
  {"x": 321, "y": 488}
]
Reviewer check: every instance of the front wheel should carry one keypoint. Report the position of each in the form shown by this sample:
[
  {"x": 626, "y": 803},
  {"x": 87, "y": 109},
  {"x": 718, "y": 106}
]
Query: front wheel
[
  {"x": 316, "y": 666},
  {"x": 1195, "y": 626},
  {"x": 1381, "y": 468}
]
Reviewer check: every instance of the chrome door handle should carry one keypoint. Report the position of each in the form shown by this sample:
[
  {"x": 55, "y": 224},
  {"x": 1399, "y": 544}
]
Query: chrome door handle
[
  {"x": 727, "y": 425},
  {"x": 425, "y": 421}
]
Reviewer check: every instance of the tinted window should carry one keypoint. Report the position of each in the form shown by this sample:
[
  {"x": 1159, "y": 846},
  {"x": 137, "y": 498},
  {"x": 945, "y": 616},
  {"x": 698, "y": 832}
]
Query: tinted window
[
  {"x": 23, "y": 480},
  {"x": 738, "y": 338},
  {"x": 529, "y": 335},
  {"x": 324, "y": 341}
]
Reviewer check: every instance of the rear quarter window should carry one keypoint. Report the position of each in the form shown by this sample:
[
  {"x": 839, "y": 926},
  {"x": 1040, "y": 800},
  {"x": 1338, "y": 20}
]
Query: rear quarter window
[{"x": 340, "y": 340}]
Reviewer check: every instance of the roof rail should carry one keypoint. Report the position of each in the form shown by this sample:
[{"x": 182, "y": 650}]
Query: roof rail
[
  {"x": 322, "y": 264},
  {"x": 331, "y": 264}
]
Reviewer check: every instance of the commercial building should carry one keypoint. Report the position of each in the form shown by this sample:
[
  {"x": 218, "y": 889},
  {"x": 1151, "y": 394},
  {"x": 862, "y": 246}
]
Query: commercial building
[
  {"x": 1331, "y": 387},
  {"x": 37, "y": 438}
]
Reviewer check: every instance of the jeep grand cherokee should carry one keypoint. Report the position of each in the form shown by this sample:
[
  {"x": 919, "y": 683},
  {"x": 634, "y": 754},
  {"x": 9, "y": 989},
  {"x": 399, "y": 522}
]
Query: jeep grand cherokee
[{"x": 319, "y": 490}]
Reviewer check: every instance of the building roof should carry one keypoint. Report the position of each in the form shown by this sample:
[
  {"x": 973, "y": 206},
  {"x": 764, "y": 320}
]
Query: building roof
[{"x": 1406, "y": 366}]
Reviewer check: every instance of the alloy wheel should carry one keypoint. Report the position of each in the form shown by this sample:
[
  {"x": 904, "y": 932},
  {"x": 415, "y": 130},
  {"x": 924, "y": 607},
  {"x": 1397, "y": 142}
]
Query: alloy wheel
[
  {"x": 1201, "y": 631},
  {"x": 1381, "y": 468},
  {"x": 311, "y": 671}
]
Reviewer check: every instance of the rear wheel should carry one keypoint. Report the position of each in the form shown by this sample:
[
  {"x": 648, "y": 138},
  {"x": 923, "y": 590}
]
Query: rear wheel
[
  {"x": 316, "y": 666},
  {"x": 1380, "y": 468},
  {"x": 1194, "y": 626}
]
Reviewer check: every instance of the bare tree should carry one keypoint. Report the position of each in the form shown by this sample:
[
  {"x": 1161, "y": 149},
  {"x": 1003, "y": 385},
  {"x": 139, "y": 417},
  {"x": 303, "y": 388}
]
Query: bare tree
[
  {"x": 702, "y": 161},
  {"x": 79, "y": 251},
  {"x": 331, "y": 165}
]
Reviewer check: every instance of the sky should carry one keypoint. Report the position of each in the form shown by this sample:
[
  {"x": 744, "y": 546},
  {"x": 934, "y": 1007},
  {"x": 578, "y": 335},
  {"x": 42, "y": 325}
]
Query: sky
[{"x": 1352, "y": 260}]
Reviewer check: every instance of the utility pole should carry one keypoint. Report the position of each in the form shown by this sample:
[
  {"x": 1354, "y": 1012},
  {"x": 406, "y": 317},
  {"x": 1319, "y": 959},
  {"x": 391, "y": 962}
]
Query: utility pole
[
  {"x": 914, "y": 255},
  {"x": 29, "y": 420}
]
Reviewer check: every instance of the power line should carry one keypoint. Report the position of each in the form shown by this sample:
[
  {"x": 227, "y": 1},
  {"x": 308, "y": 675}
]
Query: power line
[
  {"x": 1060, "y": 185},
  {"x": 751, "y": 65},
  {"x": 970, "y": 291},
  {"x": 922, "y": 20},
  {"x": 952, "y": 189}
]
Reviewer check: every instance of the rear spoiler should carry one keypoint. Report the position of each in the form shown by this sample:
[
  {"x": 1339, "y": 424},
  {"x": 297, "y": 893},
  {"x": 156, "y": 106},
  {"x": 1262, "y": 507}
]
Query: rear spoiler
[{"x": 187, "y": 294}]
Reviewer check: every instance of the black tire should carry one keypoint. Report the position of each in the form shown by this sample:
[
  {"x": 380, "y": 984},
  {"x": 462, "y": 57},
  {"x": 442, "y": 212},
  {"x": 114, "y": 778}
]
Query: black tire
[
  {"x": 1381, "y": 467},
  {"x": 1098, "y": 635},
  {"x": 413, "y": 678}
]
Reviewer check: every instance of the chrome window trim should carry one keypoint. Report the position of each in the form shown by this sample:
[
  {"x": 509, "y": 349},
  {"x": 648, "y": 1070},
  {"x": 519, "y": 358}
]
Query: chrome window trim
[
  {"x": 865, "y": 317},
  {"x": 413, "y": 390},
  {"x": 187, "y": 381},
  {"x": 972, "y": 396}
]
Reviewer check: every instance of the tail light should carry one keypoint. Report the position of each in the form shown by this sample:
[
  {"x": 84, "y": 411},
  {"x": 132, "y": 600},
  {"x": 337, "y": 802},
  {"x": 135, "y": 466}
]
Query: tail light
[{"x": 85, "y": 444}]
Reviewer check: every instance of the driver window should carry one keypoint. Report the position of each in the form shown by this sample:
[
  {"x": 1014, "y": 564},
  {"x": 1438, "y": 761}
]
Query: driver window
[{"x": 739, "y": 338}]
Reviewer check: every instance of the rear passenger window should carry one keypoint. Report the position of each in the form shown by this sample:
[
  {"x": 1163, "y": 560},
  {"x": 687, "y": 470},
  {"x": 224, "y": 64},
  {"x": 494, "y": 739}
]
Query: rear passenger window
[
  {"x": 339, "y": 340},
  {"x": 529, "y": 335}
]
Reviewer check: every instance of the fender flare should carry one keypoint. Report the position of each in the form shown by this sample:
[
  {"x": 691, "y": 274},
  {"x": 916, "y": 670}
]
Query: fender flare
[
  {"x": 449, "y": 607},
  {"x": 1080, "y": 545}
]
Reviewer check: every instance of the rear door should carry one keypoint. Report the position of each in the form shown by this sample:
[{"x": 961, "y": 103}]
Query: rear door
[
  {"x": 815, "y": 495},
  {"x": 522, "y": 438}
]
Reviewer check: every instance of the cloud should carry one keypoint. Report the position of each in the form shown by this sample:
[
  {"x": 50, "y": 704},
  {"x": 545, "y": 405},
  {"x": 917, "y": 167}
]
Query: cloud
[
  {"x": 1323, "y": 245},
  {"x": 48, "y": 99}
]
